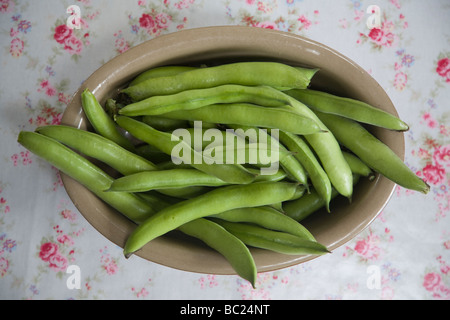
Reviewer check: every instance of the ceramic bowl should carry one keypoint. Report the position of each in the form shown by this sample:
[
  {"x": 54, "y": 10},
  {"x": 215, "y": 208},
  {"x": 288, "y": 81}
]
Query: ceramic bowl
[{"x": 338, "y": 75}]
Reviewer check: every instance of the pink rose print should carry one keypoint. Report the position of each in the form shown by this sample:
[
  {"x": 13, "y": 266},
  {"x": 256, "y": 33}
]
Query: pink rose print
[
  {"x": 48, "y": 115},
  {"x": 140, "y": 293},
  {"x": 4, "y": 265},
  {"x": 108, "y": 263},
  {"x": 267, "y": 25},
  {"x": 433, "y": 283},
  {"x": 305, "y": 22},
  {"x": 400, "y": 81},
  {"x": 73, "y": 45},
  {"x": 162, "y": 20},
  {"x": 443, "y": 68},
  {"x": 381, "y": 36},
  {"x": 146, "y": 21},
  {"x": 153, "y": 24},
  {"x": 62, "y": 33},
  {"x": 48, "y": 250},
  {"x": 58, "y": 262},
  {"x": 429, "y": 120},
  {"x": 367, "y": 248},
  {"x": 376, "y": 34},
  {"x": 16, "y": 47},
  {"x": 3, "y": 205},
  {"x": 69, "y": 215},
  {"x": 183, "y": 4},
  {"x": 442, "y": 155},
  {"x": 47, "y": 88},
  {"x": 6, "y": 6},
  {"x": 65, "y": 239},
  {"x": 23, "y": 157},
  {"x": 111, "y": 267},
  {"x": 434, "y": 174},
  {"x": 447, "y": 245}
]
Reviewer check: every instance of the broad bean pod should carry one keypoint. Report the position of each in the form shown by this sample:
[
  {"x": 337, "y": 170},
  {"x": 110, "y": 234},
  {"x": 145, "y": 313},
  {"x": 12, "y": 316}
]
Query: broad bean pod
[
  {"x": 184, "y": 192},
  {"x": 348, "y": 108},
  {"x": 328, "y": 151},
  {"x": 216, "y": 201},
  {"x": 101, "y": 121},
  {"x": 197, "y": 98},
  {"x": 357, "y": 166},
  {"x": 277, "y": 241},
  {"x": 163, "y": 141},
  {"x": 294, "y": 170},
  {"x": 251, "y": 115},
  {"x": 162, "y": 179},
  {"x": 230, "y": 146},
  {"x": 277, "y": 176},
  {"x": 157, "y": 72},
  {"x": 164, "y": 124},
  {"x": 307, "y": 158},
  {"x": 301, "y": 208},
  {"x": 98, "y": 147},
  {"x": 218, "y": 238},
  {"x": 152, "y": 154},
  {"x": 273, "y": 74},
  {"x": 156, "y": 200},
  {"x": 268, "y": 218},
  {"x": 373, "y": 152},
  {"x": 86, "y": 173}
]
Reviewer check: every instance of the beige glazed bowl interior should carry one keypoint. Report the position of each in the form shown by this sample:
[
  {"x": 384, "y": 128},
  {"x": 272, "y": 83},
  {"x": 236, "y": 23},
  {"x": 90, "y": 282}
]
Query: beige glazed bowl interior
[{"x": 337, "y": 75}]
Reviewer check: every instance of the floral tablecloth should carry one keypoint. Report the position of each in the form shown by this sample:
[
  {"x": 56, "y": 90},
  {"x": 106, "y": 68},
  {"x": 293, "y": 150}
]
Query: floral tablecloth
[{"x": 44, "y": 240}]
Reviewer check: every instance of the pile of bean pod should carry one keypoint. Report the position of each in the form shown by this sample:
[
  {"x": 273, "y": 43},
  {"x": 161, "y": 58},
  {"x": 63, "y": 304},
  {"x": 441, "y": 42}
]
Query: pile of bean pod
[{"x": 324, "y": 147}]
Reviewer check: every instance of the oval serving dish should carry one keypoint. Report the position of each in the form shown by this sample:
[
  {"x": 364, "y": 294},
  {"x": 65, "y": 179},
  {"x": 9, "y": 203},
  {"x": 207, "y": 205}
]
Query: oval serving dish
[{"x": 211, "y": 45}]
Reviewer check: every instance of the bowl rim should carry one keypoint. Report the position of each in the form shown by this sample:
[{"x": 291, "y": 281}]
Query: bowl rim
[{"x": 114, "y": 226}]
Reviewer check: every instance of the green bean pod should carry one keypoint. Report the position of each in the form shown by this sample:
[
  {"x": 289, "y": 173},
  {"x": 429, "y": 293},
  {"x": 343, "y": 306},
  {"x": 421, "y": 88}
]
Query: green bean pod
[
  {"x": 164, "y": 124},
  {"x": 357, "y": 166},
  {"x": 294, "y": 170},
  {"x": 373, "y": 152},
  {"x": 216, "y": 201},
  {"x": 300, "y": 209},
  {"x": 98, "y": 147},
  {"x": 157, "y": 72},
  {"x": 184, "y": 192},
  {"x": 268, "y": 218},
  {"x": 279, "y": 175},
  {"x": 156, "y": 200},
  {"x": 328, "y": 151},
  {"x": 250, "y": 115},
  {"x": 197, "y": 98},
  {"x": 152, "y": 154},
  {"x": 86, "y": 173},
  {"x": 233, "y": 249},
  {"x": 273, "y": 74},
  {"x": 348, "y": 108},
  {"x": 101, "y": 121},
  {"x": 161, "y": 179},
  {"x": 231, "y": 146},
  {"x": 277, "y": 241},
  {"x": 231, "y": 173},
  {"x": 306, "y": 157}
]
